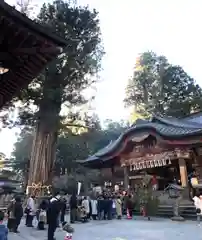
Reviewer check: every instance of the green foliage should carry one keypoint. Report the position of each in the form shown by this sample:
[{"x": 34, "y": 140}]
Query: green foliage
[
  {"x": 146, "y": 197},
  {"x": 70, "y": 147},
  {"x": 158, "y": 87}
]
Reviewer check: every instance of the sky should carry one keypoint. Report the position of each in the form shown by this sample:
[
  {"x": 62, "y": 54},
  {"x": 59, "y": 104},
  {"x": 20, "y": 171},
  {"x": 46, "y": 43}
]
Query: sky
[{"x": 168, "y": 27}]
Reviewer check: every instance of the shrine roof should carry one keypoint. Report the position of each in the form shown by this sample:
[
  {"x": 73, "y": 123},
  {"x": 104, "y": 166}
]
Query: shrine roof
[
  {"x": 26, "y": 48},
  {"x": 164, "y": 127},
  {"x": 194, "y": 118}
]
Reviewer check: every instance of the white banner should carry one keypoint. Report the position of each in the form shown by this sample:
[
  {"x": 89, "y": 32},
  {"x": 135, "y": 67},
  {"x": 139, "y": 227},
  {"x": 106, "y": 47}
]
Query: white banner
[{"x": 79, "y": 188}]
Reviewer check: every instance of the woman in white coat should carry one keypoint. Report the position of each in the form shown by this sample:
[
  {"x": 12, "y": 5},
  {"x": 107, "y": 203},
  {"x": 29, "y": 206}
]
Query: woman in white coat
[
  {"x": 94, "y": 208},
  {"x": 198, "y": 204},
  {"x": 30, "y": 211}
]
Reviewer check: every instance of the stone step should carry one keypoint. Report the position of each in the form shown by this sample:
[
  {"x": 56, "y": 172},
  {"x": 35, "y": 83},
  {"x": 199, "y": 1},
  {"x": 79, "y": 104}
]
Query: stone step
[{"x": 188, "y": 212}]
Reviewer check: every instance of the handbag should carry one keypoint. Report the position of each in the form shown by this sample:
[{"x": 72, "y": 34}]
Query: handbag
[{"x": 27, "y": 210}]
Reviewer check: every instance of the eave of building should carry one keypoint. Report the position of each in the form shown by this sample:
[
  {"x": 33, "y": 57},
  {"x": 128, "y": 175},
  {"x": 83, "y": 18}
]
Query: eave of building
[
  {"x": 19, "y": 18},
  {"x": 28, "y": 48}
]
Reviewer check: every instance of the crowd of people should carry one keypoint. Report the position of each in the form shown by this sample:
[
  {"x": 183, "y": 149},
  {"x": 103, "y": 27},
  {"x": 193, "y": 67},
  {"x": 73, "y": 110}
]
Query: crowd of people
[
  {"x": 102, "y": 207},
  {"x": 51, "y": 212}
]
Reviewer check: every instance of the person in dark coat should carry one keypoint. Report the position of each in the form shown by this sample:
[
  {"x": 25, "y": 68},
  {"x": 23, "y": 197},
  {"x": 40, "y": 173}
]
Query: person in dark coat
[
  {"x": 11, "y": 217},
  {"x": 100, "y": 207},
  {"x": 18, "y": 213},
  {"x": 109, "y": 203},
  {"x": 63, "y": 205},
  {"x": 53, "y": 212},
  {"x": 105, "y": 207},
  {"x": 73, "y": 208},
  {"x": 130, "y": 205},
  {"x": 90, "y": 208}
]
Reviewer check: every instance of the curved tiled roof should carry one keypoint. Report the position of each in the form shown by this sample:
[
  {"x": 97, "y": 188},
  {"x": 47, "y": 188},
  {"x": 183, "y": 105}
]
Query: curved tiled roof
[
  {"x": 164, "y": 127},
  {"x": 175, "y": 122}
]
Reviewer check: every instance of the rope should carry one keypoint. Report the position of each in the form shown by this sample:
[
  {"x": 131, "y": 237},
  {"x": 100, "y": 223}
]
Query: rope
[{"x": 38, "y": 186}]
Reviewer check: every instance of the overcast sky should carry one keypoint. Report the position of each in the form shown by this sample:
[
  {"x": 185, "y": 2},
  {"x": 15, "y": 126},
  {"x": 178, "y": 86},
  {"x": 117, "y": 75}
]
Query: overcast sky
[{"x": 129, "y": 27}]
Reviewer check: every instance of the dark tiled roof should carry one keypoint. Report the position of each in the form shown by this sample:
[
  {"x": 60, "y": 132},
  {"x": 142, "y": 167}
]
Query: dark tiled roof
[
  {"x": 175, "y": 122},
  {"x": 195, "y": 118},
  {"x": 165, "y": 127}
]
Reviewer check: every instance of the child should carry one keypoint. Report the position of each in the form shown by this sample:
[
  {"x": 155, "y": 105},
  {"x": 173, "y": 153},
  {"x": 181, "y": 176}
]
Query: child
[
  {"x": 198, "y": 204},
  {"x": 42, "y": 218},
  {"x": 82, "y": 215},
  {"x": 68, "y": 229},
  {"x": 3, "y": 228}
]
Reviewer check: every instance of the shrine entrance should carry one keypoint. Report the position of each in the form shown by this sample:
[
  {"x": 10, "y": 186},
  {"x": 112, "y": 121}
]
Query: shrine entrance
[{"x": 169, "y": 163}]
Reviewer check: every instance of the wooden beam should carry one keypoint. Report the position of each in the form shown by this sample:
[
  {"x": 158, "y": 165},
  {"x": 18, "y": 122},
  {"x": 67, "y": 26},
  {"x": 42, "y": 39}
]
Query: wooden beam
[
  {"x": 183, "y": 172},
  {"x": 34, "y": 50},
  {"x": 126, "y": 178}
]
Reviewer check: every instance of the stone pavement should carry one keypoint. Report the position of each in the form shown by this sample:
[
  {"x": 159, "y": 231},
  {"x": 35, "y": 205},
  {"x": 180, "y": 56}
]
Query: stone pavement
[{"x": 157, "y": 229}]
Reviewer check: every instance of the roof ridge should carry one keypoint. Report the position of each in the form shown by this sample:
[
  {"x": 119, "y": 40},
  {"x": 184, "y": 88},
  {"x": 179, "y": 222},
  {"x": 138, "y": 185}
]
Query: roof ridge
[
  {"x": 176, "y": 122},
  {"x": 192, "y": 115}
]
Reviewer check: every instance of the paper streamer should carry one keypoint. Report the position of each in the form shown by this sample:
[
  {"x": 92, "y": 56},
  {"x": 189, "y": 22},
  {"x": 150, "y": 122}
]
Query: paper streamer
[{"x": 79, "y": 188}]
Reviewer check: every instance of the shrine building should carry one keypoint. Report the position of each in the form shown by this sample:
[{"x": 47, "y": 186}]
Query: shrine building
[{"x": 163, "y": 146}]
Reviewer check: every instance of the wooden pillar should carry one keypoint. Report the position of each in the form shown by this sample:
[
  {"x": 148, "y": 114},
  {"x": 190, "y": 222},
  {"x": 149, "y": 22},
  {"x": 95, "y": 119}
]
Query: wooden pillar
[
  {"x": 113, "y": 176},
  {"x": 126, "y": 177},
  {"x": 198, "y": 166},
  {"x": 183, "y": 172}
]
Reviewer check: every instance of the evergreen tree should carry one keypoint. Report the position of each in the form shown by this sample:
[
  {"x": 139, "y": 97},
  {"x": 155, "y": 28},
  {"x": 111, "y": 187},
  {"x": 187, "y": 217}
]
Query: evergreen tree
[
  {"x": 158, "y": 87},
  {"x": 55, "y": 98}
]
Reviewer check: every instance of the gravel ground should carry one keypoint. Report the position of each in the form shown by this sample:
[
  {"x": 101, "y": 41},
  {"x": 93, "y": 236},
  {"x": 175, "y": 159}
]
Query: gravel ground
[{"x": 157, "y": 229}]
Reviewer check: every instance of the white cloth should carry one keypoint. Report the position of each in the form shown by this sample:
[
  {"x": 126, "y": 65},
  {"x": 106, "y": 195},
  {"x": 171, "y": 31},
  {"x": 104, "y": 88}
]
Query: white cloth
[
  {"x": 94, "y": 207},
  {"x": 53, "y": 199},
  {"x": 113, "y": 204},
  {"x": 86, "y": 205},
  {"x": 198, "y": 203},
  {"x": 31, "y": 206},
  {"x": 155, "y": 187}
]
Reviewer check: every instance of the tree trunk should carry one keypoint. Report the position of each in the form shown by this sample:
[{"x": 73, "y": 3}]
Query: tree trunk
[
  {"x": 42, "y": 159},
  {"x": 45, "y": 140},
  {"x": 44, "y": 147}
]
